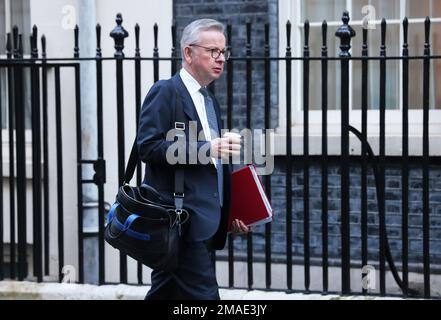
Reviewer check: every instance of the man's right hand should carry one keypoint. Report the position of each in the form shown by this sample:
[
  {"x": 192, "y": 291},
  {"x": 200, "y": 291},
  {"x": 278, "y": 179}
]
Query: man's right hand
[{"x": 225, "y": 147}]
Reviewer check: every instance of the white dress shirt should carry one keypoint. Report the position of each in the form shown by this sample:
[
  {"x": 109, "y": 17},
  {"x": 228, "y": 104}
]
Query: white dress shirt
[
  {"x": 198, "y": 99},
  {"x": 199, "y": 102}
]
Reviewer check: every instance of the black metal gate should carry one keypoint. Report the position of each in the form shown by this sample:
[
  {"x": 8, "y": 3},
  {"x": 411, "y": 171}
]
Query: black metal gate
[{"x": 30, "y": 75}]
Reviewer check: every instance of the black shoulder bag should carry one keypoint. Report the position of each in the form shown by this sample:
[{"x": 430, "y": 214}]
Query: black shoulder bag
[{"x": 140, "y": 223}]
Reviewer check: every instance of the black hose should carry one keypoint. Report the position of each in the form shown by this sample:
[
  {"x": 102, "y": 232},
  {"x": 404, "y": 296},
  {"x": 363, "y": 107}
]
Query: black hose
[{"x": 411, "y": 292}]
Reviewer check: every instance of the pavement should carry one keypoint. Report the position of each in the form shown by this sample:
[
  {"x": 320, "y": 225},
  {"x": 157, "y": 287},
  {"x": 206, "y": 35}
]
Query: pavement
[{"x": 26, "y": 290}]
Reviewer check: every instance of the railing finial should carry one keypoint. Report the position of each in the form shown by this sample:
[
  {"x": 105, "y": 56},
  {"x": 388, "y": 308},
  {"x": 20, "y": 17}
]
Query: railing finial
[
  {"x": 34, "y": 42},
  {"x": 137, "y": 50},
  {"x": 43, "y": 46},
  {"x": 98, "y": 40},
  {"x": 427, "y": 32},
  {"x": 8, "y": 46},
  {"x": 345, "y": 18},
  {"x": 345, "y": 33},
  {"x": 119, "y": 34},
  {"x": 15, "y": 40},
  {"x": 77, "y": 37}
]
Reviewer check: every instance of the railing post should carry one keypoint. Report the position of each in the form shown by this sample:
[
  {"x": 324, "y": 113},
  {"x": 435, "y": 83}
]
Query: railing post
[
  {"x": 173, "y": 50},
  {"x": 324, "y": 164},
  {"x": 249, "y": 95},
  {"x": 267, "y": 74},
  {"x": 306, "y": 237},
  {"x": 345, "y": 33},
  {"x": 289, "y": 165},
  {"x": 364, "y": 161},
  {"x": 100, "y": 176},
  {"x": 230, "y": 126},
  {"x": 119, "y": 34},
  {"x": 137, "y": 112},
  {"x": 405, "y": 161},
  {"x": 12, "y": 185},
  {"x": 426, "y": 169},
  {"x": 2, "y": 264},
  {"x": 36, "y": 161},
  {"x": 229, "y": 80},
  {"x": 44, "y": 104},
  {"x": 19, "y": 115},
  {"x": 382, "y": 160}
]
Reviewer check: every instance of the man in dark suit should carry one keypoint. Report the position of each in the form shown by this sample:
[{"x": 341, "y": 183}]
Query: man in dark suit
[{"x": 207, "y": 185}]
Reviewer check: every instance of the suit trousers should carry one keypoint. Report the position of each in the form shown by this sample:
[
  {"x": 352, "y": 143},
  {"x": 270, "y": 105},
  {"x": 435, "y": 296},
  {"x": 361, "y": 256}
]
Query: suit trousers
[{"x": 194, "y": 279}]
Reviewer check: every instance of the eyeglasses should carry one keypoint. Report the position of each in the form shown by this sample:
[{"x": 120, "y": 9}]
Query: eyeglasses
[{"x": 215, "y": 52}]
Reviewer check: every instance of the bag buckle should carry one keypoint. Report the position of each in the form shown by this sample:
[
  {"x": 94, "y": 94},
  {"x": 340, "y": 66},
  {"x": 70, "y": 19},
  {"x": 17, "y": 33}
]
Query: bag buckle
[
  {"x": 178, "y": 194},
  {"x": 180, "y": 126}
]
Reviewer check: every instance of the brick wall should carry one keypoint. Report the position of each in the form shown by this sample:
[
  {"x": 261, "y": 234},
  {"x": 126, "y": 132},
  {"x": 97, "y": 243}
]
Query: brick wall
[
  {"x": 393, "y": 214},
  {"x": 237, "y": 13}
]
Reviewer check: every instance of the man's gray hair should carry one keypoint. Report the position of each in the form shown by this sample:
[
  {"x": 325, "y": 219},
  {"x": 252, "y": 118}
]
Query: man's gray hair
[{"x": 191, "y": 32}]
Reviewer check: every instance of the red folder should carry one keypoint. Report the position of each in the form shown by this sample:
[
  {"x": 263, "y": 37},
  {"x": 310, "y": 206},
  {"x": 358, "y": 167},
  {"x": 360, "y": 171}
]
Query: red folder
[{"x": 249, "y": 202}]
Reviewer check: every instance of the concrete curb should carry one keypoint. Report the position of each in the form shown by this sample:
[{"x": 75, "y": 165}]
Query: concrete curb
[
  {"x": 25, "y": 290},
  {"x": 69, "y": 291}
]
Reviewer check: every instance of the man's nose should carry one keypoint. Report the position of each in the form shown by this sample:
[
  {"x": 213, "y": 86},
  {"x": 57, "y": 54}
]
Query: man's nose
[{"x": 221, "y": 58}]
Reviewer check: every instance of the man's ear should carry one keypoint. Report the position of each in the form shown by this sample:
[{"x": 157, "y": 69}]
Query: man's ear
[{"x": 187, "y": 55}]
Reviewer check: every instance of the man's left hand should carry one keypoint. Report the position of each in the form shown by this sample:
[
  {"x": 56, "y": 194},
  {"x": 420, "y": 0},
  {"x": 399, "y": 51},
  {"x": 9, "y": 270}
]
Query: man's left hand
[{"x": 238, "y": 227}]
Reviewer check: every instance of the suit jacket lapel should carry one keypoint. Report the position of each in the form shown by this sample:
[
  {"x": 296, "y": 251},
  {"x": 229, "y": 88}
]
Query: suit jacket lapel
[
  {"x": 187, "y": 101},
  {"x": 189, "y": 107}
]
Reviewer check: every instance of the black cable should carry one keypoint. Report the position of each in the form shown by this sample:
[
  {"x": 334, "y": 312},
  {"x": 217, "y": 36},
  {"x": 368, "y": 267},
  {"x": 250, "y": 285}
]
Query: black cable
[{"x": 411, "y": 292}]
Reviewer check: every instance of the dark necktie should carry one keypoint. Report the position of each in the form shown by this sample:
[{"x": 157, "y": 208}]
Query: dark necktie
[{"x": 214, "y": 130}]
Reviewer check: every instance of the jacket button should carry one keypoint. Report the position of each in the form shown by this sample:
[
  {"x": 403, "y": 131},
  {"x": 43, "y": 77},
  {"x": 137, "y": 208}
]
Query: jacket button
[{"x": 215, "y": 194}]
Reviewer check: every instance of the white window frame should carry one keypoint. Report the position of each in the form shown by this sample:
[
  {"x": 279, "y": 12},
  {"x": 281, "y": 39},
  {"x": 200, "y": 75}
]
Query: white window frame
[{"x": 291, "y": 10}]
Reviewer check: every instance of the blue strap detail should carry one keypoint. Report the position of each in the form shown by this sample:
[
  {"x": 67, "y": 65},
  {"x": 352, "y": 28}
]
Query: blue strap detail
[
  {"x": 127, "y": 224},
  {"x": 112, "y": 212},
  {"x": 130, "y": 219}
]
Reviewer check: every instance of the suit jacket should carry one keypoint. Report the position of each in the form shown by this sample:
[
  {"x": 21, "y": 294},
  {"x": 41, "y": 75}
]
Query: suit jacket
[{"x": 208, "y": 219}]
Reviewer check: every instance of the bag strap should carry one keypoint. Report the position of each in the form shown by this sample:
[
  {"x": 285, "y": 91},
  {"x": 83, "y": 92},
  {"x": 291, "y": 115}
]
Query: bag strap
[{"x": 179, "y": 172}]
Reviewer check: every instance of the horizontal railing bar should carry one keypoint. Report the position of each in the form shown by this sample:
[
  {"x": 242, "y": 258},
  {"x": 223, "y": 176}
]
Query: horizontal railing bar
[
  {"x": 87, "y": 181},
  {"x": 319, "y": 58},
  {"x": 371, "y": 22},
  {"x": 88, "y": 161},
  {"x": 89, "y": 59},
  {"x": 31, "y": 62},
  {"x": 27, "y": 63},
  {"x": 334, "y": 159}
]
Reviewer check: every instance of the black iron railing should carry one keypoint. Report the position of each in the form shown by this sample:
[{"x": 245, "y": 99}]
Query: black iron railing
[{"x": 14, "y": 66}]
